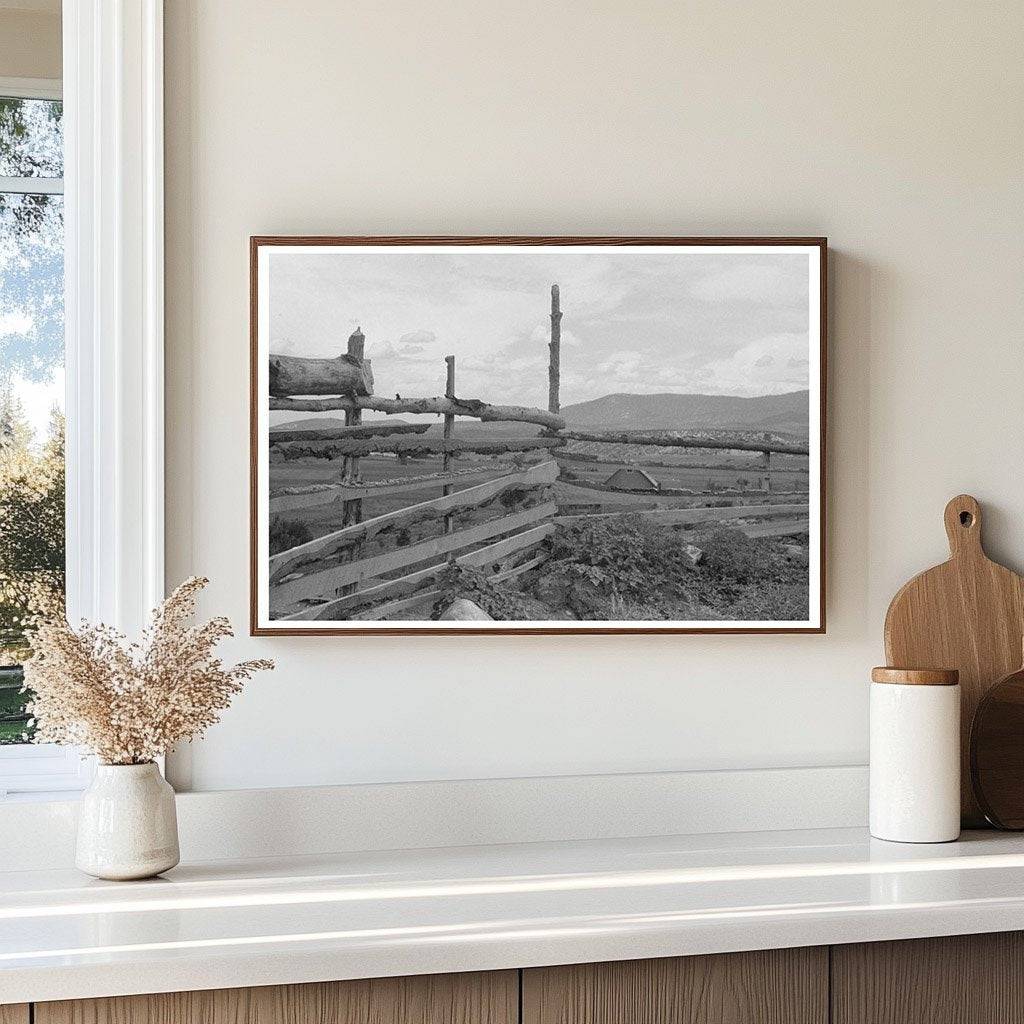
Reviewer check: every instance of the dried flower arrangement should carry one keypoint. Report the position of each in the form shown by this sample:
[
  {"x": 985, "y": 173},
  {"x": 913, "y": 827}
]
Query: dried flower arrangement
[{"x": 129, "y": 703}]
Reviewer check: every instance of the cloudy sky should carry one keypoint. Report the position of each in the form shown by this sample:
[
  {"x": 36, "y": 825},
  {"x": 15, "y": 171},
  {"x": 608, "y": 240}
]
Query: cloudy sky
[{"x": 733, "y": 323}]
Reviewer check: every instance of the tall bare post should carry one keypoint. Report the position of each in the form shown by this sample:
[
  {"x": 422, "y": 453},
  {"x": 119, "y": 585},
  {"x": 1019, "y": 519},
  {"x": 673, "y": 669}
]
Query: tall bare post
[
  {"x": 353, "y": 510},
  {"x": 449, "y": 430},
  {"x": 554, "y": 364},
  {"x": 767, "y": 464}
]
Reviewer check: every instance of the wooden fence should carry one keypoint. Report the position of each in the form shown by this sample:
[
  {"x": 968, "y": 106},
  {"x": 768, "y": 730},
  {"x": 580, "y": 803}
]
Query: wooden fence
[{"x": 371, "y": 568}]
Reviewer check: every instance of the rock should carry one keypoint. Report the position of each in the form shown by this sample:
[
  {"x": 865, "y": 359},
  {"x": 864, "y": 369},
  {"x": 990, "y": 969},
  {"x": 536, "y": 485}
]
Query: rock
[
  {"x": 694, "y": 553},
  {"x": 461, "y": 610}
]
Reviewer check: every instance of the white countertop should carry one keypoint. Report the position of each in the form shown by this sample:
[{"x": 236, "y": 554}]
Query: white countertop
[{"x": 262, "y": 922}]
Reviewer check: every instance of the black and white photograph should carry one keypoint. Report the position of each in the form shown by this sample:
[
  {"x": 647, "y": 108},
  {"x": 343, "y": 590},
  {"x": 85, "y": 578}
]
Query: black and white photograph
[{"x": 562, "y": 435}]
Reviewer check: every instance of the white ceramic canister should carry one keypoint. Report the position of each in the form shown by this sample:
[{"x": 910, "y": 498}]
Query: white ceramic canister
[
  {"x": 915, "y": 755},
  {"x": 127, "y": 825}
]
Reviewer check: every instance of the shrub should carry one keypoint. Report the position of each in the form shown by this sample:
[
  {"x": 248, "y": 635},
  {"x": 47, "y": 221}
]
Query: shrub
[
  {"x": 731, "y": 555},
  {"x": 499, "y": 600},
  {"x": 602, "y": 562}
]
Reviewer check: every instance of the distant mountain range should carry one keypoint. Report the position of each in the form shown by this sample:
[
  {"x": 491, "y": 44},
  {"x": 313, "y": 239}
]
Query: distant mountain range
[{"x": 787, "y": 413}]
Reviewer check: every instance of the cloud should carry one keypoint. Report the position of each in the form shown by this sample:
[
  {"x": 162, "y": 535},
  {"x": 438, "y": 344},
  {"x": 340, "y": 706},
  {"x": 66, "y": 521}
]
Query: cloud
[
  {"x": 758, "y": 282},
  {"x": 775, "y": 363},
  {"x": 419, "y": 339},
  {"x": 627, "y": 365}
]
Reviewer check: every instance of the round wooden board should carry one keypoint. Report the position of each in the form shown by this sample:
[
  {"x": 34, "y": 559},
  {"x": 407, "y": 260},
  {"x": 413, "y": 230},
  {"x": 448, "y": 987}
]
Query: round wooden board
[
  {"x": 968, "y": 614},
  {"x": 997, "y": 752}
]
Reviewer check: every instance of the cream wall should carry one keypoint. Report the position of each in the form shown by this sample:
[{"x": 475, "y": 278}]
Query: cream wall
[
  {"x": 30, "y": 41},
  {"x": 895, "y": 129}
]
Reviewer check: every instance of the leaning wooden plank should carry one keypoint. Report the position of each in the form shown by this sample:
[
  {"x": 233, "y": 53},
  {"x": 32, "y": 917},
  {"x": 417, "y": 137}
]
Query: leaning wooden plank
[
  {"x": 439, "y": 406},
  {"x": 295, "y": 559},
  {"x": 298, "y": 375},
  {"x": 683, "y": 439},
  {"x": 786, "y": 529},
  {"x": 324, "y": 584},
  {"x": 379, "y": 429},
  {"x": 430, "y": 481},
  {"x": 507, "y": 574},
  {"x": 415, "y": 446},
  {"x": 683, "y": 516},
  {"x": 399, "y": 485},
  {"x": 411, "y": 583},
  {"x": 381, "y": 612}
]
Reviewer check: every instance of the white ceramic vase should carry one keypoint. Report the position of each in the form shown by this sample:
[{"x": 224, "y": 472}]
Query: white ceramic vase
[{"x": 127, "y": 825}]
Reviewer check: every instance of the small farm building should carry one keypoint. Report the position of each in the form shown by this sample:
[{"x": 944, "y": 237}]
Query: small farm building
[{"x": 633, "y": 479}]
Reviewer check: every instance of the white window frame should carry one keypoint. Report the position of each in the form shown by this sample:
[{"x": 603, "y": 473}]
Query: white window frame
[{"x": 114, "y": 324}]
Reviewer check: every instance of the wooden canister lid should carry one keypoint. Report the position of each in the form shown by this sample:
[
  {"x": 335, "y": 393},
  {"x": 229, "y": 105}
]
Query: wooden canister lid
[{"x": 916, "y": 676}]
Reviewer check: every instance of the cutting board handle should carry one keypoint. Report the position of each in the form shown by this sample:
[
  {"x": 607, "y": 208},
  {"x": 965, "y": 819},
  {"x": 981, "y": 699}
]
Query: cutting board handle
[{"x": 963, "y": 526}]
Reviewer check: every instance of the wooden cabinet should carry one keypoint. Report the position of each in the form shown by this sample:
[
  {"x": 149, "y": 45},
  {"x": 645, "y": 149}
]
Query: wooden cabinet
[
  {"x": 777, "y": 986},
  {"x": 963, "y": 979},
  {"x": 971, "y": 979},
  {"x": 490, "y": 998}
]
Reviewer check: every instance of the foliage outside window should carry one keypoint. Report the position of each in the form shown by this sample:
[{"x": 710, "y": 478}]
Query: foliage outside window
[{"x": 31, "y": 386}]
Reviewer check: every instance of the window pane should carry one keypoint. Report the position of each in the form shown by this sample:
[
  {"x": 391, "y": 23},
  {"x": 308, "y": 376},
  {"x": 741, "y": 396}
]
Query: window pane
[
  {"x": 31, "y": 432},
  {"x": 31, "y": 138}
]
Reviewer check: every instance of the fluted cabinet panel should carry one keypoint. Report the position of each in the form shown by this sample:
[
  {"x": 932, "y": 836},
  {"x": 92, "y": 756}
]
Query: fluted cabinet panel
[
  {"x": 778, "y": 986},
  {"x": 961, "y": 979},
  {"x": 490, "y": 998}
]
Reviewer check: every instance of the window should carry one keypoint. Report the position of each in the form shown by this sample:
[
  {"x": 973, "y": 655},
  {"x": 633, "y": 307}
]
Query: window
[
  {"x": 32, "y": 513},
  {"x": 81, "y": 195}
]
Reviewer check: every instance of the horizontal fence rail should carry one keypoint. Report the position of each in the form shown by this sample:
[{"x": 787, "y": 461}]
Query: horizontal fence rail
[
  {"x": 685, "y": 439},
  {"x": 471, "y": 407},
  {"x": 414, "y": 446},
  {"x": 360, "y": 431}
]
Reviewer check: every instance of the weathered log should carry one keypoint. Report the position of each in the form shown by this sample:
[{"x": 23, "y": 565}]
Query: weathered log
[
  {"x": 314, "y": 551},
  {"x": 472, "y": 407},
  {"x": 554, "y": 352},
  {"x": 449, "y": 430},
  {"x": 683, "y": 439},
  {"x": 297, "y": 375},
  {"x": 411, "y": 584},
  {"x": 324, "y": 584},
  {"x": 362, "y": 430},
  {"x": 415, "y": 446}
]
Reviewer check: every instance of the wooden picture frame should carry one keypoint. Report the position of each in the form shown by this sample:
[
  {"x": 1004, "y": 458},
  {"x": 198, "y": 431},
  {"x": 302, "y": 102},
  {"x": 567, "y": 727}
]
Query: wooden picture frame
[{"x": 333, "y": 560}]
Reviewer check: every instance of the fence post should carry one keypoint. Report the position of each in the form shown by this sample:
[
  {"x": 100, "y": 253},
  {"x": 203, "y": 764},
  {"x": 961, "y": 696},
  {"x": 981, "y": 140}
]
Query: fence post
[
  {"x": 449, "y": 430},
  {"x": 554, "y": 349},
  {"x": 352, "y": 511},
  {"x": 767, "y": 464}
]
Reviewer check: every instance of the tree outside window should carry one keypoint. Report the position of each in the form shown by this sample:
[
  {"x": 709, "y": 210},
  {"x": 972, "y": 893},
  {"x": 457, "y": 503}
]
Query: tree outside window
[{"x": 31, "y": 386}]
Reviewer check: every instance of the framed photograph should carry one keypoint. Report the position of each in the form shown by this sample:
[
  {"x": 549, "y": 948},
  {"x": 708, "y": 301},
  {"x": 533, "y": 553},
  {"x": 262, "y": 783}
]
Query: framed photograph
[{"x": 537, "y": 435}]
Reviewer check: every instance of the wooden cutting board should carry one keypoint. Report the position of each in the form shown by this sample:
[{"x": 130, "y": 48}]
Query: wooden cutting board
[{"x": 967, "y": 614}]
